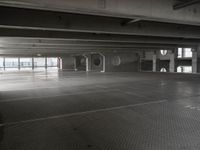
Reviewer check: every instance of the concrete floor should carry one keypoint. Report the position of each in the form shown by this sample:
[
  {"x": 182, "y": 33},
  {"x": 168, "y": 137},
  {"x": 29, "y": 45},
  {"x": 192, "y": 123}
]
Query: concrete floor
[{"x": 99, "y": 111}]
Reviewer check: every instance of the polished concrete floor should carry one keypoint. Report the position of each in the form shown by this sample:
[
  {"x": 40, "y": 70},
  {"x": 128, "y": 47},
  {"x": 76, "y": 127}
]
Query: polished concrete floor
[{"x": 99, "y": 111}]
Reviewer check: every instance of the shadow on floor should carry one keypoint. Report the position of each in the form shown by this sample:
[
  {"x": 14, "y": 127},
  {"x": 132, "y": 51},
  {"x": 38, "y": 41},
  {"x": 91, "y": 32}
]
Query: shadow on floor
[{"x": 1, "y": 129}]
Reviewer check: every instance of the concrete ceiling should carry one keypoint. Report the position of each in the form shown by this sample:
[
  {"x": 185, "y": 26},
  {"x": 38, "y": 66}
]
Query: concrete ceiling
[
  {"x": 60, "y": 27},
  {"x": 155, "y": 10}
]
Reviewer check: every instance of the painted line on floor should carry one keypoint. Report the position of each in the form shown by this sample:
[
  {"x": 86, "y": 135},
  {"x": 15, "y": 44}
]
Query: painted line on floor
[
  {"x": 53, "y": 96},
  {"x": 82, "y": 113}
]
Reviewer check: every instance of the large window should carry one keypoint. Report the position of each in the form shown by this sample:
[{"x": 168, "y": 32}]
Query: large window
[
  {"x": 28, "y": 63},
  {"x": 184, "y": 52},
  {"x": 25, "y": 63},
  {"x": 1, "y": 63},
  {"x": 184, "y": 69},
  {"x": 39, "y": 63},
  {"x": 11, "y": 63},
  {"x": 52, "y": 62}
]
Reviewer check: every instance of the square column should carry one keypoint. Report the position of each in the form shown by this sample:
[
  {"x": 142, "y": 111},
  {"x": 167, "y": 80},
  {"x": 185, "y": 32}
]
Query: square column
[
  {"x": 46, "y": 63},
  {"x": 194, "y": 60},
  {"x": 104, "y": 62},
  {"x": 33, "y": 63},
  {"x": 19, "y": 63},
  {"x": 154, "y": 62},
  {"x": 88, "y": 62},
  {"x": 172, "y": 67}
]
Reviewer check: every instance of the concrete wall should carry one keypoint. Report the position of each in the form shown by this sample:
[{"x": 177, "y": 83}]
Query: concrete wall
[
  {"x": 165, "y": 57},
  {"x": 147, "y": 65},
  {"x": 80, "y": 63},
  {"x": 122, "y": 62},
  {"x": 148, "y": 55},
  {"x": 98, "y": 65},
  {"x": 163, "y": 61},
  {"x": 67, "y": 63}
]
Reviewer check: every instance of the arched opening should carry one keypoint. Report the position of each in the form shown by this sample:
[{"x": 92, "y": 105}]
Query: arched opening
[
  {"x": 163, "y": 52},
  {"x": 163, "y": 70}
]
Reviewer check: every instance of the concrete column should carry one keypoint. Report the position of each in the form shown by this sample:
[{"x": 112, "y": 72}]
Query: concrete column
[
  {"x": 4, "y": 63},
  {"x": 75, "y": 66},
  {"x": 154, "y": 62},
  {"x": 104, "y": 62},
  {"x": 32, "y": 63},
  {"x": 18, "y": 63},
  {"x": 45, "y": 62},
  {"x": 88, "y": 62},
  {"x": 172, "y": 67},
  {"x": 194, "y": 60}
]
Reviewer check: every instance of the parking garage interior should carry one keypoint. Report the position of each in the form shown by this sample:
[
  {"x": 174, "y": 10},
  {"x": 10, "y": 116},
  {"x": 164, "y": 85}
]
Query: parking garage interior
[{"x": 100, "y": 75}]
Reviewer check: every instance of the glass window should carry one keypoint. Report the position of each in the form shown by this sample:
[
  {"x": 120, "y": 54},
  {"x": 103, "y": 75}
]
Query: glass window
[
  {"x": 11, "y": 63},
  {"x": 180, "y": 52},
  {"x": 1, "y": 62},
  {"x": 187, "y": 52},
  {"x": 52, "y": 62},
  {"x": 163, "y": 52},
  {"x": 184, "y": 52},
  {"x": 39, "y": 63},
  {"x": 187, "y": 69},
  {"x": 184, "y": 69},
  {"x": 25, "y": 63}
]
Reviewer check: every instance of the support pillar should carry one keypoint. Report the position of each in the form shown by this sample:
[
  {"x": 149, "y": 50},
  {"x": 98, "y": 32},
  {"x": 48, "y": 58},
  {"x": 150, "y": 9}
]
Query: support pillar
[
  {"x": 154, "y": 62},
  {"x": 75, "y": 65},
  {"x": 18, "y": 63},
  {"x": 172, "y": 62},
  {"x": 104, "y": 62},
  {"x": 4, "y": 63},
  {"x": 45, "y": 62},
  {"x": 88, "y": 62},
  {"x": 33, "y": 63},
  {"x": 194, "y": 60}
]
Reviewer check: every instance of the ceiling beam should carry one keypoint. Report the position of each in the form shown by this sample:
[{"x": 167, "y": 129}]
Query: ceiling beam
[
  {"x": 30, "y": 36},
  {"x": 148, "y": 11},
  {"x": 185, "y": 4},
  {"x": 85, "y": 44},
  {"x": 129, "y": 21},
  {"x": 36, "y": 20}
]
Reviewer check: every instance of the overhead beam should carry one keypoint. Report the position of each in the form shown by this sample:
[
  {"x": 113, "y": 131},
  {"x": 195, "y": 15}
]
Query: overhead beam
[
  {"x": 14, "y": 18},
  {"x": 92, "y": 47},
  {"x": 35, "y": 51},
  {"x": 147, "y": 10},
  {"x": 185, "y": 4},
  {"x": 30, "y": 36},
  {"x": 129, "y": 21},
  {"x": 92, "y": 44}
]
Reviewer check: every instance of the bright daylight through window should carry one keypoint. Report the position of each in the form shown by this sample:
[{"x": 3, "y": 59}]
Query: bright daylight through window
[
  {"x": 28, "y": 63},
  {"x": 184, "y": 52}
]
